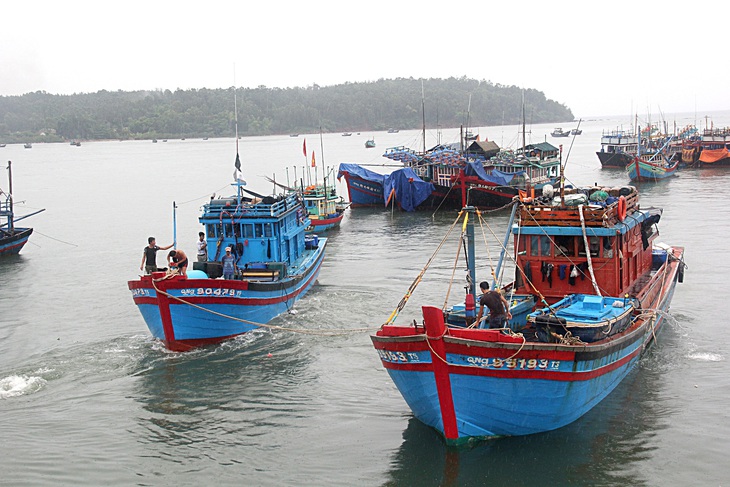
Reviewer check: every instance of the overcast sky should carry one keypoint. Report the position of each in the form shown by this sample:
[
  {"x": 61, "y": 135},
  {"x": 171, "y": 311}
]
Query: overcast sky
[{"x": 598, "y": 58}]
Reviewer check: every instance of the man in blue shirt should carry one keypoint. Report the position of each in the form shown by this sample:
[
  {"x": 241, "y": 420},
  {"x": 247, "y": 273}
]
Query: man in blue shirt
[{"x": 229, "y": 264}]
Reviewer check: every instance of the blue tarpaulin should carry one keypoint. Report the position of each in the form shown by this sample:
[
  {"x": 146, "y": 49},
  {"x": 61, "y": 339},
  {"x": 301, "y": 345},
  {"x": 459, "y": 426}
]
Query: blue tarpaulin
[
  {"x": 497, "y": 177},
  {"x": 357, "y": 170},
  {"x": 410, "y": 190}
]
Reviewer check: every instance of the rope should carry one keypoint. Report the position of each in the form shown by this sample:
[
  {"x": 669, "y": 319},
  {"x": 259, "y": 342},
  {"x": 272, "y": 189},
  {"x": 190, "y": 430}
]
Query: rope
[
  {"x": 588, "y": 250},
  {"x": 57, "y": 240},
  {"x": 419, "y": 277},
  {"x": 318, "y": 332}
]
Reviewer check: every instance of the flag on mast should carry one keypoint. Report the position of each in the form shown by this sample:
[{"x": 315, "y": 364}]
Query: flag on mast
[
  {"x": 313, "y": 163},
  {"x": 237, "y": 174},
  {"x": 304, "y": 148}
]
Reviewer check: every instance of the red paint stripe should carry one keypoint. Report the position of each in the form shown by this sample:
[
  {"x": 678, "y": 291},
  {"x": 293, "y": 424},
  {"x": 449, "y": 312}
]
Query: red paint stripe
[
  {"x": 435, "y": 327},
  {"x": 328, "y": 221}
]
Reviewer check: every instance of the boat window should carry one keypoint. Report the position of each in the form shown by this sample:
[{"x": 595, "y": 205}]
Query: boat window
[
  {"x": 540, "y": 245},
  {"x": 259, "y": 230},
  {"x": 267, "y": 230},
  {"x": 522, "y": 243},
  {"x": 564, "y": 246},
  {"x": 247, "y": 230},
  {"x": 228, "y": 228},
  {"x": 608, "y": 247},
  {"x": 237, "y": 230},
  {"x": 211, "y": 230},
  {"x": 593, "y": 242}
]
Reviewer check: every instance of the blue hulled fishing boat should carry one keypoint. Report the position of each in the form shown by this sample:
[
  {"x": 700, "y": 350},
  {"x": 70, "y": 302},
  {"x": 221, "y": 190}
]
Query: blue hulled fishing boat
[
  {"x": 12, "y": 238},
  {"x": 276, "y": 263},
  {"x": 546, "y": 367}
]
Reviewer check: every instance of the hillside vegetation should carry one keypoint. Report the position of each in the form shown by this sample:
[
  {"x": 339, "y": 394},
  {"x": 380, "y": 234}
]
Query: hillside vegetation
[{"x": 370, "y": 106}]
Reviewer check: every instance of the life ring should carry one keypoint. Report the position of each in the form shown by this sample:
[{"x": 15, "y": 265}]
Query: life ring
[{"x": 621, "y": 209}]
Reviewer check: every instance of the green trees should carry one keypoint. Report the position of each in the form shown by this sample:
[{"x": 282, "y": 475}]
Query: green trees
[{"x": 369, "y": 106}]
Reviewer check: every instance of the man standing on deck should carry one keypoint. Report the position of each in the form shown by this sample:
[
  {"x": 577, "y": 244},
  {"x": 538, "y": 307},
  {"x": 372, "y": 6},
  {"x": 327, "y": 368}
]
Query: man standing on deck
[
  {"x": 498, "y": 307},
  {"x": 149, "y": 256},
  {"x": 202, "y": 248}
]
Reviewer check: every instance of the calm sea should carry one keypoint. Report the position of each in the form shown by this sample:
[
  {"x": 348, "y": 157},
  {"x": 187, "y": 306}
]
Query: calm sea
[{"x": 88, "y": 398}]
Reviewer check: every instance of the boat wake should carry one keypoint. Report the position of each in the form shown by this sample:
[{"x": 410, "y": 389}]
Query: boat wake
[
  {"x": 705, "y": 357},
  {"x": 20, "y": 385}
]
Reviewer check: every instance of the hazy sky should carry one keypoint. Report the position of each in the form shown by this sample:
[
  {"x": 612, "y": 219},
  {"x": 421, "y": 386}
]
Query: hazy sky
[{"x": 598, "y": 58}]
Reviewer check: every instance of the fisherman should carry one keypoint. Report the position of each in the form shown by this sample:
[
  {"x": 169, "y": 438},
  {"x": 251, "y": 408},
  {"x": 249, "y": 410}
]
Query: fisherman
[
  {"x": 178, "y": 259},
  {"x": 497, "y": 304},
  {"x": 229, "y": 264},
  {"x": 202, "y": 248},
  {"x": 149, "y": 256}
]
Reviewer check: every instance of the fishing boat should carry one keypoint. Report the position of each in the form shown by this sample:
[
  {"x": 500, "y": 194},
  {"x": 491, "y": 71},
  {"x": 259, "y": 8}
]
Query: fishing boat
[
  {"x": 276, "y": 263},
  {"x": 370, "y": 143},
  {"x": 592, "y": 289},
  {"x": 576, "y": 132},
  {"x": 651, "y": 168},
  {"x": 12, "y": 238},
  {"x": 325, "y": 209},
  {"x": 27, "y": 145},
  {"x": 558, "y": 132},
  {"x": 618, "y": 148},
  {"x": 347, "y": 134}
]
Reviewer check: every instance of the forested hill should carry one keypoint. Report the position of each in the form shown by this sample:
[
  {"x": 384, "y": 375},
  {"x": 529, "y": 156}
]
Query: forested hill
[{"x": 371, "y": 106}]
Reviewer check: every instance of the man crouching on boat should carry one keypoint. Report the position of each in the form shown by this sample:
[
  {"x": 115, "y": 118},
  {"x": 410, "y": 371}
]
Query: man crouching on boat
[
  {"x": 178, "y": 259},
  {"x": 498, "y": 307}
]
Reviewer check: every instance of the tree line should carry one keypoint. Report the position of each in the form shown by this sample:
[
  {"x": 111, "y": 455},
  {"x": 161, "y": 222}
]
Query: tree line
[{"x": 362, "y": 106}]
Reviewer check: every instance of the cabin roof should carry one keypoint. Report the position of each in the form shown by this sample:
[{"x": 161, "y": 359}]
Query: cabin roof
[
  {"x": 542, "y": 146},
  {"x": 486, "y": 147},
  {"x": 619, "y": 228}
]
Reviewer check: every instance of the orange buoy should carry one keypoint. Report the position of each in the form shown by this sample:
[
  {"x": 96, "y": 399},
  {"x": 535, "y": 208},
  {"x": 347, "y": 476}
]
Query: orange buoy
[{"x": 621, "y": 209}]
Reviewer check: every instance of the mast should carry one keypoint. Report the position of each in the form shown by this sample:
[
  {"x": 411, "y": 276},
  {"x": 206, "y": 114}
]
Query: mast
[
  {"x": 423, "y": 115},
  {"x": 11, "y": 226}
]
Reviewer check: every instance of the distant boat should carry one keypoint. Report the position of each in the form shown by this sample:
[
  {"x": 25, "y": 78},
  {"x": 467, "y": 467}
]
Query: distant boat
[
  {"x": 183, "y": 138},
  {"x": 346, "y": 134},
  {"x": 558, "y": 132},
  {"x": 205, "y": 138},
  {"x": 154, "y": 141},
  {"x": 28, "y": 145},
  {"x": 393, "y": 131},
  {"x": 370, "y": 143},
  {"x": 12, "y": 238},
  {"x": 293, "y": 135},
  {"x": 576, "y": 132},
  {"x": 469, "y": 135},
  {"x": 164, "y": 140},
  {"x": 2, "y": 145},
  {"x": 76, "y": 143}
]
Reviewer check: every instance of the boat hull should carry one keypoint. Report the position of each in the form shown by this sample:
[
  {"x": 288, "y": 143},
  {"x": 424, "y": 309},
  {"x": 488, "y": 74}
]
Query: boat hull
[
  {"x": 13, "y": 244},
  {"x": 643, "y": 171},
  {"x": 190, "y": 313},
  {"x": 614, "y": 159},
  {"x": 471, "y": 384},
  {"x": 363, "y": 193},
  {"x": 323, "y": 224}
]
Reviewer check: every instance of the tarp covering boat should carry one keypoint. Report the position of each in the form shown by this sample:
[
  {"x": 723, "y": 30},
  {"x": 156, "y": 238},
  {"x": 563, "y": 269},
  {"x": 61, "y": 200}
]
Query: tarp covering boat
[
  {"x": 361, "y": 172},
  {"x": 497, "y": 177},
  {"x": 709, "y": 156},
  {"x": 409, "y": 190}
]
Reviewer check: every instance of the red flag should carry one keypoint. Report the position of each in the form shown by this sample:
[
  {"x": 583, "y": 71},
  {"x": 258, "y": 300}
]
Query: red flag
[
  {"x": 313, "y": 163},
  {"x": 304, "y": 148}
]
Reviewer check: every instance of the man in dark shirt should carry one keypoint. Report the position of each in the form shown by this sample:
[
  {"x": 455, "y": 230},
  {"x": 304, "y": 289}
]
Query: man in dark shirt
[
  {"x": 149, "y": 256},
  {"x": 498, "y": 307}
]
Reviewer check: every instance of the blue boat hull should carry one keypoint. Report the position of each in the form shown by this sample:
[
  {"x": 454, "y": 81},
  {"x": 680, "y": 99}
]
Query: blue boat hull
[
  {"x": 13, "y": 244},
  {"x": 189, "y": 313},
  {"x": 363, "y": 192}
]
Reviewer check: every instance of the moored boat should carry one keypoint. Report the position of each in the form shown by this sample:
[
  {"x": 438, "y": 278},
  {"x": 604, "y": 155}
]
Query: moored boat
[
  {"x": 603, "y": 288},
  {"x": 370, "y": 143},
  {"x": 12, "y": 238},
  {"x": 651, "y": 168},
  {"x": 558, "y": 132},
  {"x": 324, "y": 207},
  {"x": 618, "y": 148}
]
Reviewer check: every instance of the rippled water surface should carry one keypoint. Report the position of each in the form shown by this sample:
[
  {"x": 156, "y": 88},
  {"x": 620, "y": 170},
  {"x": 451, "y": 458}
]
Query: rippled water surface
[{"x": 88, "y": 398}]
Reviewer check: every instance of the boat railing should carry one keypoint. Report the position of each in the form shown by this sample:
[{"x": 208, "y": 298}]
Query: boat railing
[{"x": 594, "y": 216}]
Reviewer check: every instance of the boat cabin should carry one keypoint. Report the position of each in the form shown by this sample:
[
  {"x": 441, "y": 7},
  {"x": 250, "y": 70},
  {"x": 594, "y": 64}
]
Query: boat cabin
[
  {"x": 259, "y": 230},
  {"x": 555, "y": 253}
]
